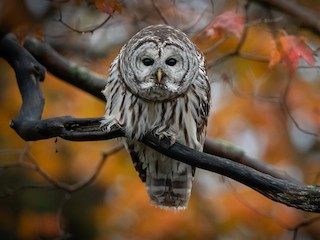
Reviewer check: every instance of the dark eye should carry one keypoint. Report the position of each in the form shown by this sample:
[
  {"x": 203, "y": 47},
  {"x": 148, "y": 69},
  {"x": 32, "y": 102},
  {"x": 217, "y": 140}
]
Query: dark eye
[
  {"x": 171, "y": 61},
  {"x": 147, "y": 61}
]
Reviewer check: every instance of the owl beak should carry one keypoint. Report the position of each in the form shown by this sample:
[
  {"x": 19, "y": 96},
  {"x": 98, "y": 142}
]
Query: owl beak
[{"x": 159, "y": 75}]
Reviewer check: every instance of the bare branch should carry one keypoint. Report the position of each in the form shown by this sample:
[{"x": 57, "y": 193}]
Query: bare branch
[
  {"x": 91, "y": 30},
  {"x": 303, "y": 224},
  {"x": 291, "y": 193},
  {"x": 163, "y": 18},
  {"x": 281, "y": 100},
  {"x": 29, "y": 74},
  {"x": 64, "y": 69},
  {"x": 104, "y": 156},
  {"x": 53, "y": 183},
  {"x": 305, "y": 16},
  {"x": 255, "y": 209},
  {"x": 284, "y": 106},
  {"x": 11, "y": 192}
]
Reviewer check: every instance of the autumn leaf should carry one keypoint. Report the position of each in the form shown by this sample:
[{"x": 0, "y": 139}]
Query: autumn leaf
[
  {"x": 289, "y": 49},
  {"x": 227, "y": 22},
  {"x": 109, "y": 6}
]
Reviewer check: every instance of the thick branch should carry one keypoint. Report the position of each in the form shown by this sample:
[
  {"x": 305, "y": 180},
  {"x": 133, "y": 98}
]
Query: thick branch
[
  {"x": 69, "y": 128},
  {"x": 237, "y": 155},
  {"x": 66, "y": 70},
  {"x": 290, "y": 193},
  {"x": 305, "y": 197},
  {"x": 285, "y": 191},
  {"x": 305, "y": 16},
  {"x": 29, "y": 73}
]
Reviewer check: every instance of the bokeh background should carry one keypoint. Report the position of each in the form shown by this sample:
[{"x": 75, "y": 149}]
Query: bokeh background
[{"x": 248, "y": 110}]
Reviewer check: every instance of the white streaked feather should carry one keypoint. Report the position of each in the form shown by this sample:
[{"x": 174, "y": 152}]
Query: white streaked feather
[{"x": 145, "y": 116}]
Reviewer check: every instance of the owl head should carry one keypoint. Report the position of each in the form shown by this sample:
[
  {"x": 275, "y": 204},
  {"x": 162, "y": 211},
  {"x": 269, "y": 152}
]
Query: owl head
[{"x": 158, "y": 63}]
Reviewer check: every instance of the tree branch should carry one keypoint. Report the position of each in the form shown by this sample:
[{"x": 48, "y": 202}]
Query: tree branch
[
  {"x": 29, "y": 74},
  {"x": 27, "y": 125},
  {"x": 290, "y": 193},
  {"x": 91, "y": 30},
  {"x": 307, "y": 17},
  {"x": 66, "y": 70}
]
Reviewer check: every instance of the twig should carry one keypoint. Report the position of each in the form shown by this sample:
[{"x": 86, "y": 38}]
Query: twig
[
  {"x": 24, "y": 152},
  {"x": 303, "y": 224},
  {"x": 91, "y": 30},
  {"x": 254, "y": 209},
  {"x": 216, "y": 45},
  {"x": 11, "y": 192},
  {"x": 59, "y": 185},
  {"x": 305, "y": 16},
  {"x": 285, "y": 108},
  {"x": 71, "y": 188},
  {"x": 61, "y": 227},
  {"x": 263, "y": 20},
  {"x": 163, "y": 18},
  {"x": 237, "y": 49},
  {"x": 195, "y": 22},
  {"x": 104, "y": 156}
]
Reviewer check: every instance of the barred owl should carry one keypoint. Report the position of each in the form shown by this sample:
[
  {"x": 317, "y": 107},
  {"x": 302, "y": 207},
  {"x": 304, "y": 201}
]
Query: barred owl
[{"x": 158, "y": 84}]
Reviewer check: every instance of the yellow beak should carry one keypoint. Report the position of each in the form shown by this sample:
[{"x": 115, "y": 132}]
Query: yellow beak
[{"x": 159, "y": 75}]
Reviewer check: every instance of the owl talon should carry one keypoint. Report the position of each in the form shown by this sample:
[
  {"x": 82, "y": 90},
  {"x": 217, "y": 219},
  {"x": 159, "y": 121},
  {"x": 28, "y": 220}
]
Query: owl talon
[
  {"x": 161, "y": 136},
  {"x": 107, "y": 125},
  {"x": 173, "y": 139}
]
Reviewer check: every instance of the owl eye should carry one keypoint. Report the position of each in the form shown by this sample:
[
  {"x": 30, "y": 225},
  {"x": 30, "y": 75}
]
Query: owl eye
[
  {"x": 147, "y": 61},
  {"x": 171, "y": 61}
]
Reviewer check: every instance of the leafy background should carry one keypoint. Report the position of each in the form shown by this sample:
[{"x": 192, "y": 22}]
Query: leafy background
[{"x": 266, "y": 101}]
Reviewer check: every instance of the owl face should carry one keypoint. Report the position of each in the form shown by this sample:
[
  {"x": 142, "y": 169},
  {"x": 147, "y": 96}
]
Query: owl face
[{"x": 159, "y": 65}]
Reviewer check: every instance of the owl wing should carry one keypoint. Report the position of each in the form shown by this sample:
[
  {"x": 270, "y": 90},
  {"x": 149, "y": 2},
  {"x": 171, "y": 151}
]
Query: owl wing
[
  {"x": 137, "y": 163},
  {"x": 203, "y": 117},
  {"x": 203, "y": 86}
]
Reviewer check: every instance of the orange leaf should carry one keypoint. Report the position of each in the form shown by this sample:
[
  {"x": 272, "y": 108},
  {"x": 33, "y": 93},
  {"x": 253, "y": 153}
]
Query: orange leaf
[
  {"x": 227, "y": 22},
  {"x": 275, "y": 58},
  {"x": 290, "y": 49},
  {"x": 108, "y": 6}
]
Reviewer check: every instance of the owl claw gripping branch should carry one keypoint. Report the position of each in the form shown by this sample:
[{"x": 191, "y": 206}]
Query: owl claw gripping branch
[
  {"x": 173, "y": 138},
  {"x": 158, "y": 83}
]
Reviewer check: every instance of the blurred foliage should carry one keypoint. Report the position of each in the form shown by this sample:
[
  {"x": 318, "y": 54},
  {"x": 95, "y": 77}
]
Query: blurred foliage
[{"x": 272, "y": 114}]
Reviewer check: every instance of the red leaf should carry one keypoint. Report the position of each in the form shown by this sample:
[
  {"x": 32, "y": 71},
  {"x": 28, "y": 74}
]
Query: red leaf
[
  {"x": 290, "y": 49},
  {"x": 227, "y": 22},
  {"x": 108, "y": 6}
]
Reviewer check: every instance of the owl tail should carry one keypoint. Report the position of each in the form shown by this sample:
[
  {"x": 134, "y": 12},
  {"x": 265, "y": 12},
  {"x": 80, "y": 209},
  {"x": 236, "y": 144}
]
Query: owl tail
[{"x": 169, "y": 183}]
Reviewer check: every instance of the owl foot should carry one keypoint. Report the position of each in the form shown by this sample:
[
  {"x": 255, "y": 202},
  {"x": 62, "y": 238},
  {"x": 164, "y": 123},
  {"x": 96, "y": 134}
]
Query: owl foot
[
  {"x": 107, "y": 125},
  {"x": 172, "y": 137}
]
